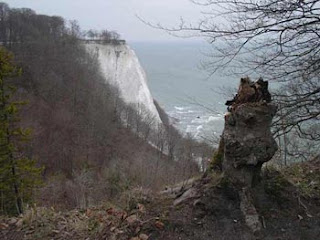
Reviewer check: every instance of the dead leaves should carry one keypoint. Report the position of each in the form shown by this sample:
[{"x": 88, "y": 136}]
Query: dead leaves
[
  {"x": 159, "y": 225},
  {"x": 140, "y": 237},
  {"x": 91, "y": 223}
]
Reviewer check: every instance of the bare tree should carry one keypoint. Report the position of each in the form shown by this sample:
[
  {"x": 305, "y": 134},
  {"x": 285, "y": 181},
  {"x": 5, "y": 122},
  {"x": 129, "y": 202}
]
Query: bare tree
[
  {"x": 148, "y": 122},
  {"x": 172, "y": 137},
  {"x": 276, "y": 39},
  {"x": 92, "y": 34},
  {"x": 105, "y": 35},
  {"x": 114, "y": 35},
  {"x": 74, "y": 29}
]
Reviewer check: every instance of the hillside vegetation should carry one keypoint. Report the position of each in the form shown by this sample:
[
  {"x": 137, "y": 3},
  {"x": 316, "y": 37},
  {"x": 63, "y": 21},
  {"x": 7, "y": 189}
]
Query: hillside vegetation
[{"x": 93, "y": 147}]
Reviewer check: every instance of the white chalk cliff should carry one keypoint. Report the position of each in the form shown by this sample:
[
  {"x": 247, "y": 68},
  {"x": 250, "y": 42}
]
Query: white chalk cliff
[{"x": 121, "y": 68}]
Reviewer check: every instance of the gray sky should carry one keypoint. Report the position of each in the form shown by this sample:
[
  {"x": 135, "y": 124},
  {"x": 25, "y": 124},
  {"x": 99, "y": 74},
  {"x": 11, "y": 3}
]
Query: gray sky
[{"x": 119, "y": 15}]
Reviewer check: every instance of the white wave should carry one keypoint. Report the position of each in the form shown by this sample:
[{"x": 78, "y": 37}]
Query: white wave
[
  {"x": 179, "y": 108},
  {"x": 199, "y": 127},
  {"x": 214, "y": 118},
  {"x": 184, "y": 112},
  {"x": 181, "y": 112},
  {"x": 199, "y": 120},
  {"x": 189, "y": 129}
]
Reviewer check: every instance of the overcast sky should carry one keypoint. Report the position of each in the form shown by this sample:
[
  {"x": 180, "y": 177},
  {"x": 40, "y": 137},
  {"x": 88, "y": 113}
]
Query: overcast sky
[{"x": 119, "y": 15}]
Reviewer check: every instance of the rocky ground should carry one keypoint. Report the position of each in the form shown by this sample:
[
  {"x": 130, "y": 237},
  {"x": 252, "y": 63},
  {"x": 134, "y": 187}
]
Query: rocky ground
[{"x": 286, "y": 201}]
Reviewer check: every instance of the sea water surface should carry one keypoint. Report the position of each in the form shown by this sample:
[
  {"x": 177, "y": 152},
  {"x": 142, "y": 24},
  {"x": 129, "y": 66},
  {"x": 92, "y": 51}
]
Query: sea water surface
[{"x": 191, "y": 97}]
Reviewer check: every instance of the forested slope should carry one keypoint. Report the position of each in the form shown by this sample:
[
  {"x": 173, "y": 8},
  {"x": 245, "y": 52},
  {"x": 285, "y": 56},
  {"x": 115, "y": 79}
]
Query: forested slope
[{"x": 83, "y": 134}]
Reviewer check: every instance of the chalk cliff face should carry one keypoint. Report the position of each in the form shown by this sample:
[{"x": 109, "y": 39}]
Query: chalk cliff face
[{"x": 121, "y": 68}]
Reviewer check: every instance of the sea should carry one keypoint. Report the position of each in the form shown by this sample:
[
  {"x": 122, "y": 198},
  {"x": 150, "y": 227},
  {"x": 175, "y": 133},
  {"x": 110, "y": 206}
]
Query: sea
[{"x": 191, "y": 95}]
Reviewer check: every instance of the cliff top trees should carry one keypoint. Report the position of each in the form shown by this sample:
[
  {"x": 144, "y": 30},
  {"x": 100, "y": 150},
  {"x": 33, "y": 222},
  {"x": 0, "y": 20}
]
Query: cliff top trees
[
  {"x": 103, "y": 35},
  {"x": 18, "y": 174},
  {"x": 24, "y": 25}
]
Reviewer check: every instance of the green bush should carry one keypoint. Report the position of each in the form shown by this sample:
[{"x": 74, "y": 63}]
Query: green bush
[{"x": 18, "y": 174}]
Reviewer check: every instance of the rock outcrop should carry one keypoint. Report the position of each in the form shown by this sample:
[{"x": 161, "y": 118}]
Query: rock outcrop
[
  {"x": 247, "y": 139},
  {"x": 248, "y": 143}
]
